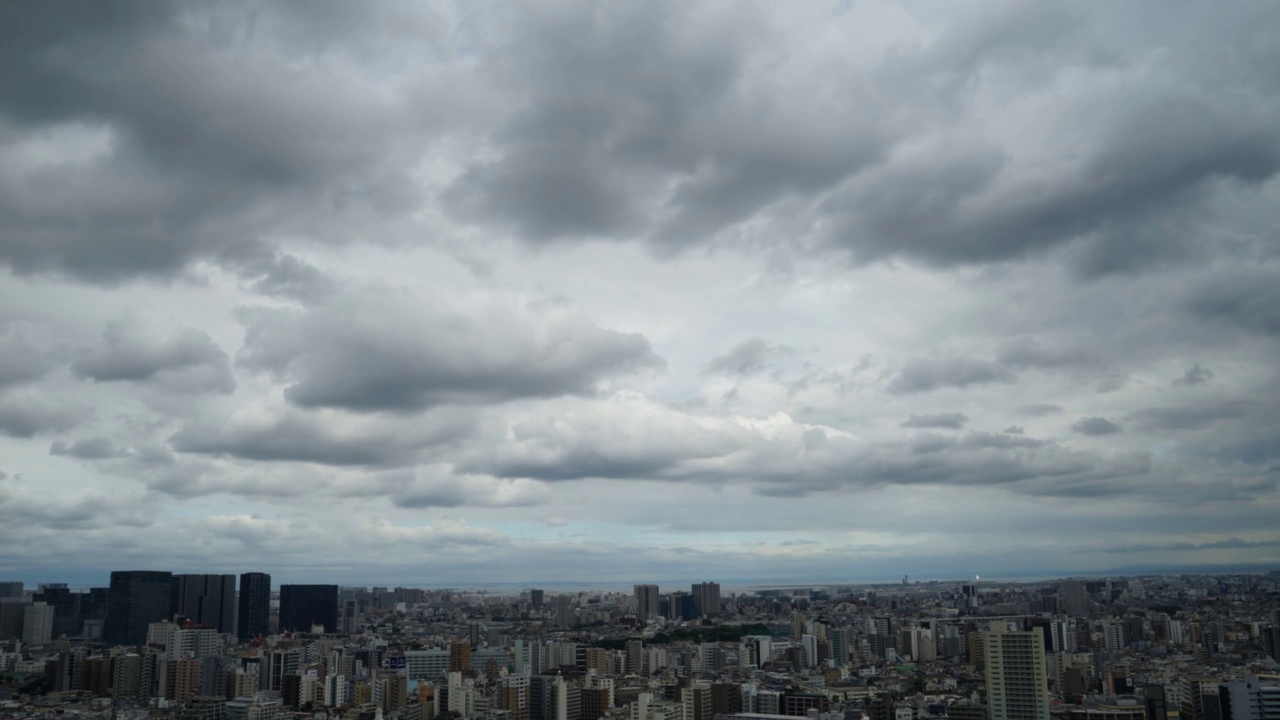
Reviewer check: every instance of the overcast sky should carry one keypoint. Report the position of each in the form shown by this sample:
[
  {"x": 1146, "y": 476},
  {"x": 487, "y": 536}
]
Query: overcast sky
[{"x": 443, "y": 293}]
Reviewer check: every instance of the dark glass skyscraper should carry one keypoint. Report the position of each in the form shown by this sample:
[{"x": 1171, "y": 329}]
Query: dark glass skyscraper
[
  {"x": 66, "y": 610},
  {"x": 255, "y": 605},
  {"x": 135, "y": 599},
  {"x": 207, "y": 599},
  {"x": 302, "y": 606}
]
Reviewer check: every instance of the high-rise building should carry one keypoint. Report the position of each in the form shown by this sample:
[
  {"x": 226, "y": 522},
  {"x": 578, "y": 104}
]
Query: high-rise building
[
  {"x": 680, "y": 606},
  {"x": 303, "y": 606},
  {"x": 1200, "y": 698},
  {"x": 66, "y": 610},
  {"x": 186, "y": 679},
  {"x": 1157, "y": 707},
  {"x": 12, "y": 615},
  {"x": 459, "y": 657},
  {"x": 255, "y": 605},
  {"x": 635, "y": 656},
  {"x": 646, "y": 602},
  {"x": 564, "y": 610},
  {"x": 1017, "y": 682},
  {"x": 207, "y": 599},
  {"x": 1074, "y": 598},
  {"x": 536, "y": 598},
  {"x": 136, "y": 599},
  {"x": 1240, "y": 699},
  {"x": 548, "y": 698},
  {"x": 697, "y": 702},
  {"x": 37, "y": 624},
  {"x": 706, "y": 598},
  {"x": 841, "y": 640},
  {"x": 10, "y": 589},
  {"x": 513, "y": 696}
]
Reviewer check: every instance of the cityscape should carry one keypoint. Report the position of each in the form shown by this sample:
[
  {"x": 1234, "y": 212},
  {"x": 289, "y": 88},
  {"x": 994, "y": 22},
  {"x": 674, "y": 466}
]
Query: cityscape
[
  {"x": 639, "y": 360},
  {"x": 155, "y": 644}
]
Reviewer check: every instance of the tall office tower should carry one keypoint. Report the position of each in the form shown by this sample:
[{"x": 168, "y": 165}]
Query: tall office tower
[
  {"x": 66, "y": 610},
  {"x": 564, "y": 610},
  {"x": 680, "y": 606},
  {"x": 136, "y": 599},
  {"x": 1074, "y": 598},
  {"x": 12, "y": 615},
  {"x": 302, "y": 606},
  {"x": 635, "y": 657},
  {"x": 1017, "y": 683},
  {"x": 706, "y": 598},
  {"x": 37, "y": 624},
  {"x": 10, "y": 589},
  {"x": 254, "y": 617},
  {"x": 207, "y": 599},
  {"x": 536, "y": 598},
  {"x": 646, "y": 602}
]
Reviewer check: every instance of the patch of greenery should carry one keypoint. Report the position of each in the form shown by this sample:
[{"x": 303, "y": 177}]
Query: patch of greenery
[{"x": 713, "y": 633}]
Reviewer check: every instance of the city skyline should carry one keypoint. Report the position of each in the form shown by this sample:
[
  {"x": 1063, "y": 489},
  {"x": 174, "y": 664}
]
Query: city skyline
[{"x": 455, "y": 294}]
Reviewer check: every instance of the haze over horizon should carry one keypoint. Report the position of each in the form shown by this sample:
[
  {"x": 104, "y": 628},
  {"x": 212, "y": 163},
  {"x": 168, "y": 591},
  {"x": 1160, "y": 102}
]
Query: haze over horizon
[{"x": 464, "y": 291}]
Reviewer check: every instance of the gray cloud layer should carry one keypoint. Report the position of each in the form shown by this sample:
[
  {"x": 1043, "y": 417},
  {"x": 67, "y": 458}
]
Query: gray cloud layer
[
  {"x": 466, "y": 268},
  {"x": 387, "y": 351}
]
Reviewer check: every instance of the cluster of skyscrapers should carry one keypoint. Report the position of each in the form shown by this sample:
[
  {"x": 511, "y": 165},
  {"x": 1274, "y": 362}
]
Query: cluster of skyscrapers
[
  {"x": 121, "y": 613},
  {"x": 702, "y": 600}
]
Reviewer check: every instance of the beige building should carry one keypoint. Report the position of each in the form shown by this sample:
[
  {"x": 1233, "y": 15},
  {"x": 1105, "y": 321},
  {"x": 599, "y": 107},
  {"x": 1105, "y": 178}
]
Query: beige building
[{"x": 1017, "y": 683}]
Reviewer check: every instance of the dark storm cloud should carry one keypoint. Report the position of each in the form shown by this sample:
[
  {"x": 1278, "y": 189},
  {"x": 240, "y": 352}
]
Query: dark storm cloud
[
  {"x": 1032, "y": 353},
  {"x": 582, "y": 462},
  {"x": 1192, "y": 416},
  {"x": 615, "y": 105},
  {"x": 1115, "y": 203},
  {"x": 952, "y": 420},
  {"x": 1228, "y": 544},
  {"x": 1194, "y": 375},
  {"x": 1095, "y": 426},
  {"x": 186, "y": 361},
  {"x": 25, "y": 413},
  {"x": 194, "y": 133},
  {"x": 271, "y": 272},
  {"x": 924, "y": 375},
  {"x": 663, "y": 121},
  {"x": 21, "y": 360},
  {"x": 456, "y": 492},
  {"x": 648, "y": 120},
  {"x": 749, "y": 357},
  {"x": 91, "y": 448},
  {"x": 295, "y": 436},
  {"x": 1249, "y": 299},
  {"x": 83, "y": 511},
  {"x": 384, "y": 351}
]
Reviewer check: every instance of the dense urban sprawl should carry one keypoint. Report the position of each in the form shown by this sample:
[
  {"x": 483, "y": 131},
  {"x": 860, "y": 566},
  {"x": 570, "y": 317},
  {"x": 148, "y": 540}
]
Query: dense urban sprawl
[{"x": 159, "y": 645}]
